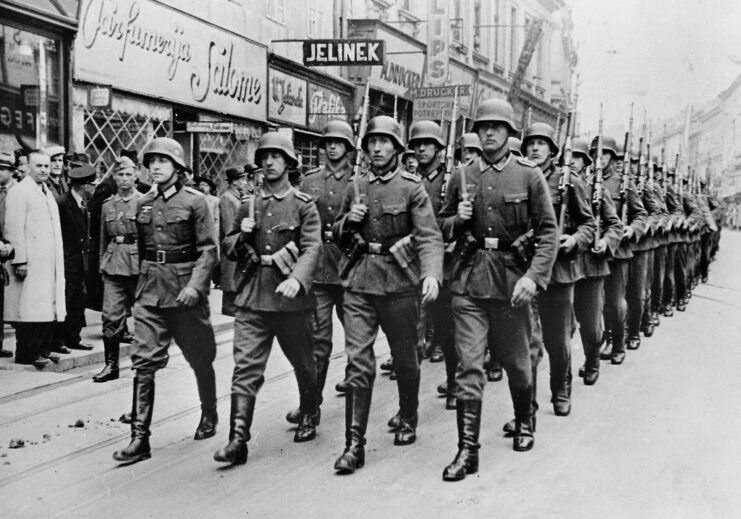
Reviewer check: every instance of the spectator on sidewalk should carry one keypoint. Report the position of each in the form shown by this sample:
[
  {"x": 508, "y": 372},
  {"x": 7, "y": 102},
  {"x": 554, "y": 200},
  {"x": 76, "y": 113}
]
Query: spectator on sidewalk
[
  {"x": 56, "y": 183},
  {"x": 228, "y": 207},
  {"x": 119, "y": 262},
  {"x": 75, "y": 222},
  {"x": 21, "y": 164},
  {"x": 34, "y": 296},
  {"x": 7, "y": 163}
]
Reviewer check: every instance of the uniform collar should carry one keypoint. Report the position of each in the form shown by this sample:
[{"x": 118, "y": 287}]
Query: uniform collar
[
  {"x": 170, "y": 191},
  {"x": 119, "y": 198},
  {"x": 435, "y": 171},
  {"x": 278, "y": 196},
  {"x": 372, "y": 177},
  {"x": 498, "y": 166},
  {"x": 550, "y": 169},
  {"x": 339, "y": 172},
  {"x": 76, "y": 197}
]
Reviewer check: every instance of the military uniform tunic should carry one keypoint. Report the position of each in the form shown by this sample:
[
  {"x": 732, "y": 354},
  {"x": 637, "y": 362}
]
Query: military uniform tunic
[
  {"x": 262, "y": 314},
  {"x": 509, "y": 197},
  {"x": 177, "y": 248},
  {"x": 119, "y": 261}
]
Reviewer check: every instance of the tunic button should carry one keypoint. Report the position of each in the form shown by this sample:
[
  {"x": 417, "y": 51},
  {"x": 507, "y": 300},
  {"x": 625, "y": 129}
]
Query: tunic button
[
  {"x": 490, "y": 228},
  {"x": 329, "y": 207},
  {"x": 269, "y": 231},
  {"x": 159, "y": 213},
  {"x": 267, "y": 247},
  {"x": 489, "y": 208},
  {"x": 375, "y": 201},
  {"x": 375, "y": 219},
  {"x": 270, "y": 214},
  {"x": 331, "y": 192},
  {"x": 490, "y": 188}
]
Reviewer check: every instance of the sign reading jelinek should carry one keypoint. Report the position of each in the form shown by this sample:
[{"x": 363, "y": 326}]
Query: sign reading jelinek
[
  {"x": 145, "y": 47},
  {"x": 323, "y": 53}
]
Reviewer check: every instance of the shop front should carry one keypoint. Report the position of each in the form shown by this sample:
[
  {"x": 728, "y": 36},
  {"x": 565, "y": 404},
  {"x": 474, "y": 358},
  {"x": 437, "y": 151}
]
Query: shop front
[
  {"x": 35, "y": 40},
  {"x": 169, "y": 73}
]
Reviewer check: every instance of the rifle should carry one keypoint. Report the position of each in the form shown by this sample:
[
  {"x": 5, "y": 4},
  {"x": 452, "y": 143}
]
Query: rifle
[
  {"x": 565, "y": 180},
  {"x": 641, "y": 171},
  {"x": 450, "y": 149},
  {"x": 597, "y": 182},
  {"x": 625, "y": 176},
  {"x": 649, "y": 167},
  {"x": 466, "y": 245}
]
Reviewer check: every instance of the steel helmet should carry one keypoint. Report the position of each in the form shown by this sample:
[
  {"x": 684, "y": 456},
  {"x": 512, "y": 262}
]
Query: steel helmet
[
  {"x": 579, "y": 147},
  {"x": 471, "y": 140},
  {"x": 339, "y": 130},
  {"x": 514, "y": 145},
  {"x": 276, "y": 141},
  {"x": 541, "y": 131},
  {"x": 495, "y": 110},
  {"x": 426, "y": 130},
  {"x": 384, "y": 125},
  {"x": 167, "y": 147},
  {"x": 619, "y": 150},
  {"x": 608, "y": 144}
]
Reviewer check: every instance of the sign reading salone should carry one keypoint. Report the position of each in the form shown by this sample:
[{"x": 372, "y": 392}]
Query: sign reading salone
[{"x": 146, "y": 47}]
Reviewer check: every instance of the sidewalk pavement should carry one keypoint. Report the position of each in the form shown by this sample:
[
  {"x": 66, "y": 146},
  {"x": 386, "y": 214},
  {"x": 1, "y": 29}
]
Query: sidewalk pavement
[{"x": 93, "y": 334}]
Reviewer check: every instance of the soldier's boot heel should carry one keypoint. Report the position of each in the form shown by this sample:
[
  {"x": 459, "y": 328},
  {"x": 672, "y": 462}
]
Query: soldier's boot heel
[
  {"x": 357, "y": 408},
  {"x": 137, "y": 450},
  {"x": 141, "y": 418},
  {"x": 306, "y": 430},
  {"x": 206, "y": 381},
  {"x": 468, "y": 420},
  {"x": 523, "y": 440},
  {"x": 110, "y": 370},
  {"x": 407, "y": 432},
  {"x": 240, "y": 420},
  {"x": 207, "y": 425},
  {"x": 294, "y": 416}
]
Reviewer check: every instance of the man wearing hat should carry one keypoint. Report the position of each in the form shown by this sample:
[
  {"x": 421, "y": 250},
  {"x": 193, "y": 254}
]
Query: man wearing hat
[
  {"x": 75, "y": 221},
  {"x": 177, "y": 248},
  {"x": 409, "y": 161},
  {"x": 229, "y": 203},
  {"x": 491, "y": 203},
  {"x": 325, "y": 186},
  {"x": 589, "y": 295},
  {"x": 385, "y": 214},
  {"x": 6, "y": 182},
  {"x": 119, "y": 262},
  {"x": 276, "y": 241},
  {"x": 57, "y": 184},
  {"x": 619, "y": 259},
  {"x": 515, "y": 145}
]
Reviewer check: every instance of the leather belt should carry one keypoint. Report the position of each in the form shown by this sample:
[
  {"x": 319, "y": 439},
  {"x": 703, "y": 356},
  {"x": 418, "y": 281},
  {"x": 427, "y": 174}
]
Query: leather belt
[
  {"x": 495, "y": 244},
  {"x": 171, "y": 256},
  {"x": 125, "y": 238},
  {"x": 377, "y": 248},
  {"x": 266, "y": 260},
  {"x": 327, "y": 236}
]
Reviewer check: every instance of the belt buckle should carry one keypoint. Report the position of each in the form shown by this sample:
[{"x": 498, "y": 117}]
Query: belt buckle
[
  {"x": 119, "y": 239},
  {"x": 161, "y": 256},
  {"x": 374, "y": 248},
  {"x": 328, "y": 236},
  {"x": 491, "y": 243},
  {"x": 266, "y": 260}
]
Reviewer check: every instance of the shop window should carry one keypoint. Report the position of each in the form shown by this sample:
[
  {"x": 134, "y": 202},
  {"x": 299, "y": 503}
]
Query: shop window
[
  {"x": 219, "y": 151},
  {"x": 129, "y": 124},
  {"x": 28, "y": 61},
  {"x": 307, "y": 146}
]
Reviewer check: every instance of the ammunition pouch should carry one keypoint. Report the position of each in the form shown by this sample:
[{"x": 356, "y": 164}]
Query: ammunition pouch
[
  {"x": 524, "y": 246},
  {"x": 465, "y": 248},
  {"x": 236, "y": 248},
  {"x": 353, "y": 253},
  {"x": 404, "y": 254}
]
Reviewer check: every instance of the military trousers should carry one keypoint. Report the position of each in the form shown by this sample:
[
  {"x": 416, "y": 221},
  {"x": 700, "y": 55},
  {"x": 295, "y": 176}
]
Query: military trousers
[
  {"x": 706, "y": 243},
  {"x": 155, "y": 328},
  {"x": 555, "y": 308},
  {"x": 118, "y": 298},
  {"x": 669, "y": 284},
  {"x": 512, "y": 329},
  {"x": 442, "y": 315},
  {"x": 589, "y": 303},
  {"x": 680, "y": 272},
  {"x": 635, "y": 291},
  {"x": 254, "y": 333},
  {"x": 659, "y": 273},
  {"x": 328, "y": 298},
  {"x": 616, "y": 308}
]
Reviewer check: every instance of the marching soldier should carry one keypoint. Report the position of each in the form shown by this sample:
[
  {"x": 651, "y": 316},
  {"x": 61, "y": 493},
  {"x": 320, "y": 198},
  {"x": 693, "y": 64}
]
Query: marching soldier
[
  {"x": 326, "y": 186},
  {"x": 177, "y": 249},
  {"x": 515, "y": 145},
  {"x": 673, "y": 203},
  {"x": 119, "y": 262},
  {"x": 708, "y": 230},
  {"x": 628, "y": 203},
  {"x": 388, "y": 223},
  {"x": 589, "y": 295},
  {"x": 490, "y": 204},
  {"x": 555, "y": 304},
  {"x": 275, "y": 241}
]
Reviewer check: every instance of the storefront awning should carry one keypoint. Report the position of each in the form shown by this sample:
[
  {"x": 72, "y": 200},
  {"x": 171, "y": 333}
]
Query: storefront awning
[{"x": 59, "y": 12}]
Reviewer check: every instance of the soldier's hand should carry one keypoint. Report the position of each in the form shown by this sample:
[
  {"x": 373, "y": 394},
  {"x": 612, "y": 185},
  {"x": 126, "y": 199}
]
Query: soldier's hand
[
  {"x": 567, "y": 244},
  {"x": 430, "y": 290},
  {"x": 289, "y": 288},
  {"x": 601, "y": 247},
  {"x": 465, "y": 210},
  {"x": 357, "y": 213},
  {"x": 187, "y": 296},
  {"x": 21, "y": 271},
  {"x": 525, "y": 290},
  {"x": 628, "y": 232},
  {"x": 247, "y": 225}
]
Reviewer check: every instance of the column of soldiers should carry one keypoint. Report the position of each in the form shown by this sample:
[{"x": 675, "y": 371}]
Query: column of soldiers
[{"x": 508, "y": 253}]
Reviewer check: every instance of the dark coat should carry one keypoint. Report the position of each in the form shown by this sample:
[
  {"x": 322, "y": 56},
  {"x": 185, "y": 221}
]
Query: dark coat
[{"x": 75, "y": 234}]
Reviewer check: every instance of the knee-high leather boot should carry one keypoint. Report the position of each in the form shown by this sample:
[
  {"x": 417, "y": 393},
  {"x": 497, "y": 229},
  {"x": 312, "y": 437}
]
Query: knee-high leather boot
[
  {"x": 110, "y": 370},
  {"x": 294, "y": 416},
  {"x": 357, "y": 407},
  {"x": 468, "y": 414},
  {"x": 408, "y": 387},
  {"x": 141, "y": 419},
  {"x": 240, "y": 421},
  {"x": 206, "y": 381}
]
